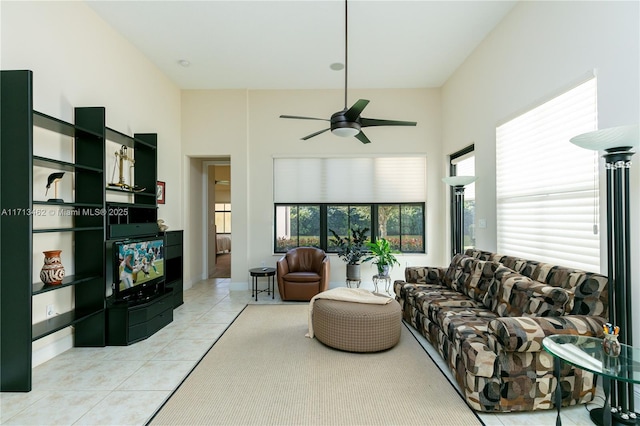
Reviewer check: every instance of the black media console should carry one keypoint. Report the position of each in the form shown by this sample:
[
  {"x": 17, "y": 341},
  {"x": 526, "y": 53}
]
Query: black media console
[{"x": 130, "y": 321}]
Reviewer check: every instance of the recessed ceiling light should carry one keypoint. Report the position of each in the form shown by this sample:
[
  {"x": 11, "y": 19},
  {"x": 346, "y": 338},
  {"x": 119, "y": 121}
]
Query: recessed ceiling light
[
  {"x": 337, "y": 66},
  {"x": 184, "y": 63}
]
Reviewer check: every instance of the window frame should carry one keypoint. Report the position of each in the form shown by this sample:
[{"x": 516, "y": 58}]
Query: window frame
[
  {"x": 373, "y": 226},
  {"x": 453, "y": 172},
  {"x": 225, "y": 212}
]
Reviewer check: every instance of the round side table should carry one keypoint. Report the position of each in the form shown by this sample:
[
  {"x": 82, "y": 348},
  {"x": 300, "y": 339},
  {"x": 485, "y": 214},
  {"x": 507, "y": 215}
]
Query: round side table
[{"x": 256, "y": 273}]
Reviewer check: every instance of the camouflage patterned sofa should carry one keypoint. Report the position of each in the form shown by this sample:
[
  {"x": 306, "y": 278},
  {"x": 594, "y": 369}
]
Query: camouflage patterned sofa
[{"x": 487, "y": 315}]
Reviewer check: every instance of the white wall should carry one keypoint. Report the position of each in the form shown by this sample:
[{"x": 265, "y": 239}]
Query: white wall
[
  {"x": 539, "y": 49},
  {"x": 245, "y": 125},
  {"x": 77, "y": 60}
]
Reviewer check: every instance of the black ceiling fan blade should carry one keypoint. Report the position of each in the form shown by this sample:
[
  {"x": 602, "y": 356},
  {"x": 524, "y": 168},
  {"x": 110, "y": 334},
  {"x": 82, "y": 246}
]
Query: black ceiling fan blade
[
  {"x": 303, "y": 118},
  {"x": 315, "y": 134},
  {"x": 353, "y": 113},
  {"x": 368, "y": 122},
  {"x": 362, "y": 138}
]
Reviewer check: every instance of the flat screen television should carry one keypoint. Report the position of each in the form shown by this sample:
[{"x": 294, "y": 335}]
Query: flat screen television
[{"x": 138, "y": 266}]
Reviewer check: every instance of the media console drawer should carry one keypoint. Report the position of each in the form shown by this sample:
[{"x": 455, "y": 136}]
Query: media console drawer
[{"x": 127, "y": 324}]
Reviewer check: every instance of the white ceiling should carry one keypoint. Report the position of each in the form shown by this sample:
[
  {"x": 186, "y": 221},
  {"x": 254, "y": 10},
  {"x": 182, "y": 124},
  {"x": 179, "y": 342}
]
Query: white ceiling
[{"x": 290, "y": 44}]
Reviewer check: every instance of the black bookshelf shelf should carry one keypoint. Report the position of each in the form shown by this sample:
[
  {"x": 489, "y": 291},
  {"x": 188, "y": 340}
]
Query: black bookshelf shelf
[
  {"x": 74, "y": 229},
  {"x": 126, "y": 140},
  {"x": 59, "y": 126},
  {"x": 51, "y": 163},
  {"x": 70, "y": 280},
  {"x": 58, "y": 322},
  {"x": 66, "y": 204}
]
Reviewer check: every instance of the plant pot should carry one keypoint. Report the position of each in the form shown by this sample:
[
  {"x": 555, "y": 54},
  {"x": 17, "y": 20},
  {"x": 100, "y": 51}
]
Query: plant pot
[
  {"x": 383, "y": 270},
  {"x": 353, "y": 272},
  {"x": 52, "y": 271}
]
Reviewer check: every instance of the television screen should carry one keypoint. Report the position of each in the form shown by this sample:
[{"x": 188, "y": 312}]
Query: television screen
[{"x": 140, "y": 263}]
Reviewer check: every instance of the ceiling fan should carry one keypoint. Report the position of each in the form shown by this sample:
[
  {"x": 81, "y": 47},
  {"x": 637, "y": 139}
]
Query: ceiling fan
[{"x": 348, "y": 122}]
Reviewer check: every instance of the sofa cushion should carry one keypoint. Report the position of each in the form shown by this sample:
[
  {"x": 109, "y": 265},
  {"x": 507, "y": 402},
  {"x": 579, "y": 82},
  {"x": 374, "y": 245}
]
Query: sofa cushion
[
  {"x": 521, "y": 296},
  {"x": 458, "y": 272},
  {"x": 423, "y": 275},
  {"x": 407, "y": 291},
  {"x": 590, "y": 295},
  {"x": 432, "y": 304},
  {"x": 481, "y": 280},
  {"x": 518, "y": 264}
]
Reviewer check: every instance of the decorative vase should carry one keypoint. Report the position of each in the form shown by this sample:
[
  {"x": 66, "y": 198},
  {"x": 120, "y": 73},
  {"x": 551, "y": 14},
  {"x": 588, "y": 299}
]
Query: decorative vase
[
  {"x": 383, "y": 270},
  {"x": 52, "y": 271},
  {"x": 611, "y": 345}
]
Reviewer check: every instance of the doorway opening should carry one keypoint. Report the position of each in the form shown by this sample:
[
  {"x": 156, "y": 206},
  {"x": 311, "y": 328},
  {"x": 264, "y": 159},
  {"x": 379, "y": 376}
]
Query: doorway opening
[{"x": 219, "y": 218}]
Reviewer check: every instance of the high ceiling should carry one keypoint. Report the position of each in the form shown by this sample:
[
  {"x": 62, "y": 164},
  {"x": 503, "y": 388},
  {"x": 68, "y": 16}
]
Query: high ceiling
[{"x": 290, "y": 44}]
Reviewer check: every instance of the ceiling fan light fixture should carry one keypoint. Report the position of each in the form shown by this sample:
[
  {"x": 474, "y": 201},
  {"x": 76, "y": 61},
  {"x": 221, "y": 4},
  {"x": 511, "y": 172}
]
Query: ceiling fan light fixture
[{"x": 345, "y": 132}]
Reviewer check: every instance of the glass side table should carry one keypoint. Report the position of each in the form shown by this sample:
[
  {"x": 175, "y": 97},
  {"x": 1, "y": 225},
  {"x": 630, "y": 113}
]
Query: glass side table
[{"x": 586, "y": 353}]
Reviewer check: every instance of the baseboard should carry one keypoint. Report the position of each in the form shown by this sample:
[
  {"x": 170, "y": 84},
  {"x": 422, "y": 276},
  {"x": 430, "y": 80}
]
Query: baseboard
[
  {"x": 239, "y": 286},
  {"x": 51, "y": 350}
]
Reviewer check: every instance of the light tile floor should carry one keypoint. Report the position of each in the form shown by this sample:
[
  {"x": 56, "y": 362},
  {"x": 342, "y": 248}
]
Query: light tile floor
[{"x": 125, "y": 385}]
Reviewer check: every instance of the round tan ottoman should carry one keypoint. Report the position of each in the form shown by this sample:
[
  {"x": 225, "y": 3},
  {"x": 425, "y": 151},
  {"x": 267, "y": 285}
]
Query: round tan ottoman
[{"x": 357, "y": 327}]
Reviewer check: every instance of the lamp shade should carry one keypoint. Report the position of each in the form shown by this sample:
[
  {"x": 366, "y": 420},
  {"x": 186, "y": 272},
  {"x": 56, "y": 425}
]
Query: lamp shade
[
  {"x": 459, "y": 180},
  {"x": 613, "y": 137}
]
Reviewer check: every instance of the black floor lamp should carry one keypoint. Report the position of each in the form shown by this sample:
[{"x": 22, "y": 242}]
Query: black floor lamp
[
  {"x": 617, "y": 143},
  {"x": 458, "y": 183}
]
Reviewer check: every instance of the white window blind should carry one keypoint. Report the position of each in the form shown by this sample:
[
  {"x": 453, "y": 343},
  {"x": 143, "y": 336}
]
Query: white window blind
[
  {"x": 546, "y": 187},
  {"x": 350, "y": 180}
]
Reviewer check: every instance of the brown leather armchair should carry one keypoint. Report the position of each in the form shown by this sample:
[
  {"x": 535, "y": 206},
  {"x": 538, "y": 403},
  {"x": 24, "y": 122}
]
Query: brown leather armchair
[{"x": 302, "y": 273}]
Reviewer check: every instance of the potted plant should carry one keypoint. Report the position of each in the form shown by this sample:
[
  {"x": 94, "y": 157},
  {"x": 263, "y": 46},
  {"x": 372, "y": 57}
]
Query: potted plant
[
  {"x": 352, "y": 249},
  {"x": 382, "y": 256}
]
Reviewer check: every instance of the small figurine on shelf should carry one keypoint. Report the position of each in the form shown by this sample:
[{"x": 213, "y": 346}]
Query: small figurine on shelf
[
  {"x": 162, "y": 226},
  {"x": 121, "y": 157},
  {"x": 54, "y": 178},
  {"x": 610, "y": 343}
]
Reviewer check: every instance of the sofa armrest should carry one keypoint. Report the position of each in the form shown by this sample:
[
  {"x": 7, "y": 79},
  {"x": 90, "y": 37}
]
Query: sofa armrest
[
  {"x": 525, "y": 334},
  {"x": 424, "y": 275}
]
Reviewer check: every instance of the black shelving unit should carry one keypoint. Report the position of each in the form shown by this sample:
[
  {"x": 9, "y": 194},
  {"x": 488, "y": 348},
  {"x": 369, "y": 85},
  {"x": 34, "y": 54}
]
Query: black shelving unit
[
  {"x": 95, "y": 224},
  {"x": 173, "y": 264},
  {"x": 17, "y": 286}
]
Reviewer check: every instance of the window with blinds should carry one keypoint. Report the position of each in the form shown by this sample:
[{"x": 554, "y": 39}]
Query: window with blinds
[
  {"x": 314, "y": 197},
  {"x": 546, "y": 187}
]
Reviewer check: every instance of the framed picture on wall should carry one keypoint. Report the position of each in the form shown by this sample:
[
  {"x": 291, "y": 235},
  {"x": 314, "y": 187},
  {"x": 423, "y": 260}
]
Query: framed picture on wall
[{"x": 160, "y": 192}]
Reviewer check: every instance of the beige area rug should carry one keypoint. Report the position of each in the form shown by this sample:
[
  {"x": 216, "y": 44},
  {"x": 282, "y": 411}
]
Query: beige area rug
[{"x": 264, "y": 371}]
